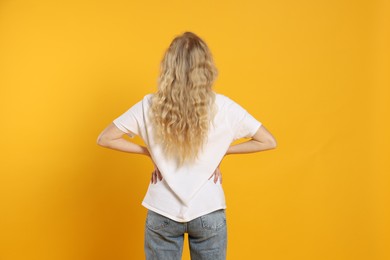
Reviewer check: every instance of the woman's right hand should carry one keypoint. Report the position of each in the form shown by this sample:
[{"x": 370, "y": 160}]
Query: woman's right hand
[{"x": 156, "y": 175}]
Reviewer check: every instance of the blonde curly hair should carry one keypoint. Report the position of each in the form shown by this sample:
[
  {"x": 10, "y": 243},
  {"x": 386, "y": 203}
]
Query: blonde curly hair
[{"x": 184, "y": 105}]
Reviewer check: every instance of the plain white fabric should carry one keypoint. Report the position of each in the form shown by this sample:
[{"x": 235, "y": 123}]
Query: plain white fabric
[{"x": 186, "y": 192}]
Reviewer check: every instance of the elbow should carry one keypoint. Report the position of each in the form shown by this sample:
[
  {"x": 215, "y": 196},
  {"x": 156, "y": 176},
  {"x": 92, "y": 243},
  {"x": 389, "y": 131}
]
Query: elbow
[
  {"x": 272, "y": 144},
  {"x": 265, "y": 145},
  {"x": 101, "y": 141}
]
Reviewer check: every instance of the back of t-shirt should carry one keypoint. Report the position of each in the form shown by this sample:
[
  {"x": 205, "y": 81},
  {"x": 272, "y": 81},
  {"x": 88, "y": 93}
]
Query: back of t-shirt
[{"x": 231, "y": 122}]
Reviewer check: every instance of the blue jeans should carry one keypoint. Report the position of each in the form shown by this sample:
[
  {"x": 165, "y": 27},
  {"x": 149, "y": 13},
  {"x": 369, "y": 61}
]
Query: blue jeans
[{"x": 207, "y": 237}]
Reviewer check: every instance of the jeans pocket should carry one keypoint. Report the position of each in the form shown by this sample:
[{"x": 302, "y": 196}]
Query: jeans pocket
[
  {"x": 215, "y": 220},
  {"x": 156, "y": 221}
]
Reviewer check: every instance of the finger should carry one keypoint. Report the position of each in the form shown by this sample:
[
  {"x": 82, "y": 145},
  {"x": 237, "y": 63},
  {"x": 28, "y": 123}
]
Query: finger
[
  {"x": 212, "y": 175},
  {"x": 216, "y": 175},
  {"x": 151, "y": 178},
  {"x": 159, "y": 175},
  {"x": 154, "y": 177}
]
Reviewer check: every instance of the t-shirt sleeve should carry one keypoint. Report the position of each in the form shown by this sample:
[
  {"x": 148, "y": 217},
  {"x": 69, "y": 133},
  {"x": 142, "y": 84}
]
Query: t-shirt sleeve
[
  {"x": 242, "y": 123},
  {"x": 131, "y": 121}
]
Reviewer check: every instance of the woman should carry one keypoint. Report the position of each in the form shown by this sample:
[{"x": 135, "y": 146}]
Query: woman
[{"x": 188, "y": 129}]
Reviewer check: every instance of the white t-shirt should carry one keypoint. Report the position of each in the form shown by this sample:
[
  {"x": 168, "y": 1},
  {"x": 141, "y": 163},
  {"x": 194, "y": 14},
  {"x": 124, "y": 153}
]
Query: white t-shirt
[{"x": 186, "y": 193}]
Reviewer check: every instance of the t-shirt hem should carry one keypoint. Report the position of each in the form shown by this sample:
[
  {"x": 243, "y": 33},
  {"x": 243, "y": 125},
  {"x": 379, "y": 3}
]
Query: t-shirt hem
[
  {"x": 255, "y": 128},
  {"x": 123, "y": 129},
  {"x": 181, "y": 219}
]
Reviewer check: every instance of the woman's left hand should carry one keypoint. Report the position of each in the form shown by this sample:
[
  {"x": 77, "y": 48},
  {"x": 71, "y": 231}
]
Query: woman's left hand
[{"x": 217, "y": 175}]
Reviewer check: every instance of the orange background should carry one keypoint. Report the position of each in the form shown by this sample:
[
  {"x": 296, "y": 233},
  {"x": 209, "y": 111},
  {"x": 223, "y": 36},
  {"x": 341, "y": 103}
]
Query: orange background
[{"x": 315, "y": 73}]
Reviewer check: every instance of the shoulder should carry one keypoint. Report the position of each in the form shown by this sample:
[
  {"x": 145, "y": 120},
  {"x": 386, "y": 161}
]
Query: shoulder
[
  {"x": 225, "y": 102},
  {"x": 146, "y": 100},
  {"x": 148, "y": 97},
  {"x": 222, "y": 99},
  {"x": 138, "y": 107}
]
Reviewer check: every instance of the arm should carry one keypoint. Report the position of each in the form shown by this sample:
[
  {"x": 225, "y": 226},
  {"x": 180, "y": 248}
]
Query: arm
[
  {"x": 111, "y": 137},
  {"x": 261, "y": 141}
]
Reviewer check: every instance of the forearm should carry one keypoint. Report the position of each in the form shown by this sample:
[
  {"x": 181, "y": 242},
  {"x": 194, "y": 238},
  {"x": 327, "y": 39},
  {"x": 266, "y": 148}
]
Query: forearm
[
  {"x": 250, "y": 146},
  {"x": 123, "y": 145}
]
